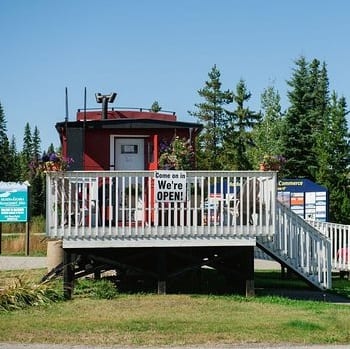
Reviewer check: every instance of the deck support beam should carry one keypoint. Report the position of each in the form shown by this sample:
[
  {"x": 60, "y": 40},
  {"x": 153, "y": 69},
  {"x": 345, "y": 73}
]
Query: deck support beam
[
  {"x": 249, "y": 282},
  {"x": 162, "y": 271},
  {"x": 68, "y": 274}
]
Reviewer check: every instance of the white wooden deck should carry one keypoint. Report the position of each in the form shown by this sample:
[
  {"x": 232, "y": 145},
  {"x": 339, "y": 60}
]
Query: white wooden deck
[
  {"x": 113, "y": 209},
  {"x": 160, "y": 209}
]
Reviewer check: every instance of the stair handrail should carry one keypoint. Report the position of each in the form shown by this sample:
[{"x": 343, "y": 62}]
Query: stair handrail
[
  {"x": 339, "y": 235},
  {"x": 301, "y": 247}
]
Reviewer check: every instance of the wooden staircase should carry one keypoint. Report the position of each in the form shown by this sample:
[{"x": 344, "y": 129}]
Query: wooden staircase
[{"x": 300, "y": 247}]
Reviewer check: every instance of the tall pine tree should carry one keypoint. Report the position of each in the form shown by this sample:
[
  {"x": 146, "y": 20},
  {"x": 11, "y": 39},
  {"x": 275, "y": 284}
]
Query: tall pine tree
[
  {"x": 333, "y": 153},
  {"x": 38, "y": 179},
  {"x": 211, "y": 113},
  {"x": 36, "y": 151},
  {"x": 14, "y": 160},
  {"x": 304, "y": 119},
  {"x": 27, "y": 152},
  {"x": 5, "y": 153},
  {"x": 237, "y": 131}
]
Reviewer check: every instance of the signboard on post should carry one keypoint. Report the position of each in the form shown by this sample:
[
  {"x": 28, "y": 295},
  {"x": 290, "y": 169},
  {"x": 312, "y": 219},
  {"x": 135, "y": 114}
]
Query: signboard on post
[
  {"x": 13, "y": 202},
  {"x": 307, "y": 199},
  {"x": 170, "y": 186}
]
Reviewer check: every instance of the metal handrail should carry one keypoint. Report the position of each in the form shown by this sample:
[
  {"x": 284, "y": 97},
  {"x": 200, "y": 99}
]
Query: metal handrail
[{"x": 141, "y": 109}]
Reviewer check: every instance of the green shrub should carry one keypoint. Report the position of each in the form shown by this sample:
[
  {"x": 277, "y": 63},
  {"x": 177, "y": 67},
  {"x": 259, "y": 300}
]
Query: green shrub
[{"x": 96, "y": 288}]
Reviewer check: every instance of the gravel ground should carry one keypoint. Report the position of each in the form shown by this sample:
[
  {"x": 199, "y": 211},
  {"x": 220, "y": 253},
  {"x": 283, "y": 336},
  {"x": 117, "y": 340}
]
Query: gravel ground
[{"x": 16, "y": 263}]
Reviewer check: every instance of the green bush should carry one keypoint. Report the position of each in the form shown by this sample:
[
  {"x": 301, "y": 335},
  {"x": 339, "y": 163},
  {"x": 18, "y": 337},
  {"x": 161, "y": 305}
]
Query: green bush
[{"x": 96, "y": 288}]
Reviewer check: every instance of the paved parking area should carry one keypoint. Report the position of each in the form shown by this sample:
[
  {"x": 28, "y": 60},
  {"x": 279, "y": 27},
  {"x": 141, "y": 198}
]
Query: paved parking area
[
  {"x": 17, "y": 263},
  {"x": 24, "y": 262}
]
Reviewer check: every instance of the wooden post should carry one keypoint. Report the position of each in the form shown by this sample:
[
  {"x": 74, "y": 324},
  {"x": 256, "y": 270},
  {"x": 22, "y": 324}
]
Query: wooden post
[
  {"x": 68, "y": 274},
  {"x": 97, "y": 274},
  {"x": 0, "y": 237},
  {"x": 161, "y": 271},
  {"x": 249, "y": 283},
  {"x": 27, "y": 237},
  {"x": 27, "y": 241}
]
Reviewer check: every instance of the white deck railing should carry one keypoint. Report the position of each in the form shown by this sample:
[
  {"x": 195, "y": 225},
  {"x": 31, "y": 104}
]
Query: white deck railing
[
  {"x": 141, "y": 207},
  {"x": 339, "y": 235},
  {"x": 301, "y": 247}
]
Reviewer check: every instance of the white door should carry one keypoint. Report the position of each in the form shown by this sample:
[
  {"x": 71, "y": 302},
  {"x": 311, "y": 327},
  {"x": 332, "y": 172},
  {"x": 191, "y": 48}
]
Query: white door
[{"x": 129, "y": 155}]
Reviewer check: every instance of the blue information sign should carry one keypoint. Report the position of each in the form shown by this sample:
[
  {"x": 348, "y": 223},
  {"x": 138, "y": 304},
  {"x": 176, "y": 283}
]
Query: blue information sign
[
  {"x": 13, "y": 202},
  {"x": 307, "y": 199}
]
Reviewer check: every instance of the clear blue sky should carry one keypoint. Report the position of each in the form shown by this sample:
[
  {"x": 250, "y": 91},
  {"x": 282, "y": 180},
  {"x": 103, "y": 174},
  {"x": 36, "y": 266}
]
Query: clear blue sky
[{"x": 162, "y": 50}]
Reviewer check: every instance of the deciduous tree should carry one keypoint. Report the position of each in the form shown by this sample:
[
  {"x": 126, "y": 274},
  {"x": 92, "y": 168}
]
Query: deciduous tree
[{"x": 267, "y": 134}]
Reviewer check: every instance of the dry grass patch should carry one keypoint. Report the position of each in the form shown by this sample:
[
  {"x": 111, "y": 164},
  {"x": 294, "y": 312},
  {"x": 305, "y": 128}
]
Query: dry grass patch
[{"x": 14, "y": 244}]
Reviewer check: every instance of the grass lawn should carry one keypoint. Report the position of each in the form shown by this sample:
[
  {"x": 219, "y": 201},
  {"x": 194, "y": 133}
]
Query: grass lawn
[{"x": 149, "y": 319}]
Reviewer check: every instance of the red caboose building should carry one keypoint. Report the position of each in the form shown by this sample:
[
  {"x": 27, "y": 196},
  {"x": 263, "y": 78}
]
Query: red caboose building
[{"x": 120, "y": 139}]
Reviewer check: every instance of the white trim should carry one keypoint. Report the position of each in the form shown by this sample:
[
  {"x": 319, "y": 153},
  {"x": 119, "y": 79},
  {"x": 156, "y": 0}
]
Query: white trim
[{"x": 158, "y": 242}]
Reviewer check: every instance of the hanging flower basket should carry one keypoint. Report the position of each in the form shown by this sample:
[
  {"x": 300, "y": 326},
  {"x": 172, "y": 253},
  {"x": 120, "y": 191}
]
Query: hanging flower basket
[
  {"x": 177, "y": 155},
  {"x": 50, "y": 162},
  {"x": 271, "y": 163}
]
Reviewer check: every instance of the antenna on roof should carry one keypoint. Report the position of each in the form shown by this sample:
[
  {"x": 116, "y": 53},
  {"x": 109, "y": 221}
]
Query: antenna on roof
[
  {"x": 85, "y": 104},
  {"x": 66, "y": 118}
]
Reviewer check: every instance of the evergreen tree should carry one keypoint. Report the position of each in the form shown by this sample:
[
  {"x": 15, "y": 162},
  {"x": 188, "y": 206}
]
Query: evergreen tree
[
  {"x": 50, "y": 149},
  {"x": 155, "y": 107},
  {"x": 319, "y": 98},
  {"x": 27, "y": 152},
  {"x": 14, "y": 161},
  {"x": 38, "y": 194},
  {"x": 38, "y": 179},
  {"x": 304, "y": 119},
  {"x": 333, "y": 153},
  {"x": 237, "y": 140},
  {"x": 267, "y": 134},
  {"x": 212, "y": 114},
  {"x": 5, "y": 155},
  {"x": 296, "y": 134},
  {"x": 36, "y": 152}
]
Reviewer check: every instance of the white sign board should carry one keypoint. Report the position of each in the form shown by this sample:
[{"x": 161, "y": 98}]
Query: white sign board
[{"x": 170, "y": 186}]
